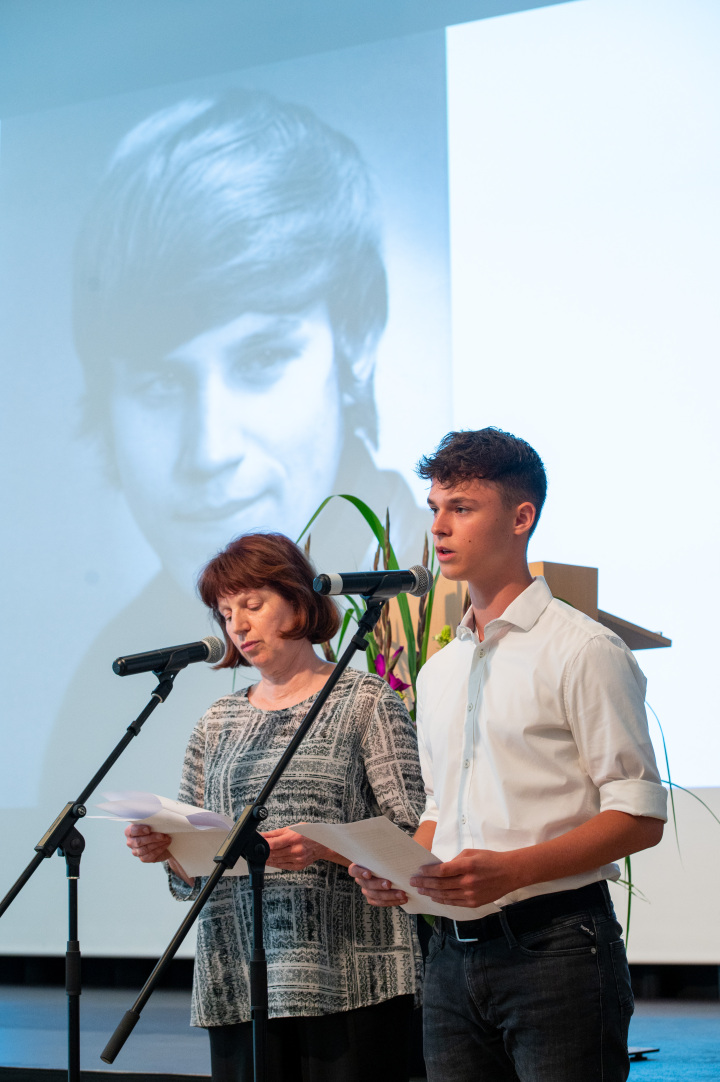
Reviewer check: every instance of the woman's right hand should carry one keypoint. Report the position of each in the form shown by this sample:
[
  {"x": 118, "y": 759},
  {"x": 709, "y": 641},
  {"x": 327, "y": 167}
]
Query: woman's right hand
[
  {"x": 151, "y": 847},
  {"x": 147, "y": 844}
]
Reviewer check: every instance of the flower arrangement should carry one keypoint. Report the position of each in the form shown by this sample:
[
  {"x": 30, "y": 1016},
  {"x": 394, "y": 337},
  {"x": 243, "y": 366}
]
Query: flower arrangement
[{"x": 382, "y": 658}]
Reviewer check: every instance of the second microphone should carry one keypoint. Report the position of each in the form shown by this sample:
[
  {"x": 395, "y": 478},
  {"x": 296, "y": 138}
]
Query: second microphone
[{"x": 416, "y": 580}]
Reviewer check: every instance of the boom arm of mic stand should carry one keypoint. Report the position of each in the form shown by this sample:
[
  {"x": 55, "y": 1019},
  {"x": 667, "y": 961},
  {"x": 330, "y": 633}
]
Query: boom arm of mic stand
[{"x": 243, "y": 840}]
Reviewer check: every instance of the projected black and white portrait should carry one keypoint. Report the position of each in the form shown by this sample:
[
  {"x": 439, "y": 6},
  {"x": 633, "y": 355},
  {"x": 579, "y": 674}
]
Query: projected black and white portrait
[
  {"x": 229, "y": 294},
  {"x": 228, "y": 301}
]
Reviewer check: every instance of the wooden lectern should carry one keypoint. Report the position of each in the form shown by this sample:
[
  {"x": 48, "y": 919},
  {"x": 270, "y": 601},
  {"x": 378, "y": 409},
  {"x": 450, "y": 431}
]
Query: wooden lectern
[{"x": 579, "y": 587}]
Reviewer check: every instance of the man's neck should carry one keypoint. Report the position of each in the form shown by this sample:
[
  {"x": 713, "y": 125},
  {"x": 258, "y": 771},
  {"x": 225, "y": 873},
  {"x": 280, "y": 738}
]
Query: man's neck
[{"x": 490, "y": 599}]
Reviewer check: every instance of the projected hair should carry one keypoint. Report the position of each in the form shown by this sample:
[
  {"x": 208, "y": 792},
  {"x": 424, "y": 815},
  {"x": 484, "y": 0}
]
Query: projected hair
[
  {"x": 213, "y": 208},
  {"x": 258, "y": 560},
  {"x": 489, "y": 454}
]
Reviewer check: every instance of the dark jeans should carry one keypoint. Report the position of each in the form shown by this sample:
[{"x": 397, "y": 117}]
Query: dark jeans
[
  {"x": 352, "y": 1046},
  {"x": 549, "y": 1004}
]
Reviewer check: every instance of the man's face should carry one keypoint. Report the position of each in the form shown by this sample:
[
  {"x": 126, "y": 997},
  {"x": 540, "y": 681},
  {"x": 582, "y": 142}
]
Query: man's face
[
  {"x": 238, "y": 429},
  {"x": 474, "y": 532}
]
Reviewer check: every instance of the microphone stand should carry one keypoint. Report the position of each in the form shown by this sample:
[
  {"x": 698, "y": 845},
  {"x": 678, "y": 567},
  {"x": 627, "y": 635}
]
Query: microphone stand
[
  {"x": 64, "y": 837},
  {"x": 244, "y": 840}
]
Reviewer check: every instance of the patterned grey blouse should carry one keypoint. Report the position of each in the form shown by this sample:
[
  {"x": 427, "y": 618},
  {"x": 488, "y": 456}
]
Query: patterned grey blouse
[{"x": 327, "y": 949}]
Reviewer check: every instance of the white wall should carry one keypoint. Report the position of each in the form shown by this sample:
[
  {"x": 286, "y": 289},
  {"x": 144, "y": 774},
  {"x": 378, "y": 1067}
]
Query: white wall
[{"x": 677, "y": 920}]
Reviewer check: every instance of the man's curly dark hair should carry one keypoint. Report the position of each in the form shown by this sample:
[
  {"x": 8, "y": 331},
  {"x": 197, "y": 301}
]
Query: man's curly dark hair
[{"x": 489, "y": 454}]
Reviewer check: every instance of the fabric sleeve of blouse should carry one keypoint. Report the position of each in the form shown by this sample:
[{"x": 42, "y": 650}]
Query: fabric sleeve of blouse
[
  {"x": 192, "y": 791},
  {"x": 391, "y": 760}
]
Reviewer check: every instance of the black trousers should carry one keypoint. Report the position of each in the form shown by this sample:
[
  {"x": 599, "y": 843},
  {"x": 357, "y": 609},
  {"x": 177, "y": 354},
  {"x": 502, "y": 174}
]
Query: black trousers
[{"x": 352, "y": 1046}]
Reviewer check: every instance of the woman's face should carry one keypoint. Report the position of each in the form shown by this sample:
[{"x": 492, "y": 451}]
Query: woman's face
[
  {"x": 254, "y": 621},
  {"x": 238, "y": 429}
]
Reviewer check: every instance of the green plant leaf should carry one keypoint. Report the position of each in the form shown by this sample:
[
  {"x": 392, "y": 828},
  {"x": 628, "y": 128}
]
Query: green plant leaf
[
  {"x": 348, "y": 615},
  {"x": 637, "y": 893},
  {"x": 429, "y": 612},
  {"x": 674, "y": 785},
  {"x": 669, "y": 781},
  {"x": 409, "y": 638},
  {"x": 367, "y": 513},
  {"x": 322, "y": 507}
]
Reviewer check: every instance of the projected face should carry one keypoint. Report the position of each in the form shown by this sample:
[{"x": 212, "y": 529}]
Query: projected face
[
  {"x": 229, "y": 294},
  {"x": 239, "y": 428}
]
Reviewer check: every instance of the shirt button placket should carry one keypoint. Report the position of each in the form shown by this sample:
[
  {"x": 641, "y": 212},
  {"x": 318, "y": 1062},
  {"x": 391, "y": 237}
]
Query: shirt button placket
[{"x": 470, "y": 736}]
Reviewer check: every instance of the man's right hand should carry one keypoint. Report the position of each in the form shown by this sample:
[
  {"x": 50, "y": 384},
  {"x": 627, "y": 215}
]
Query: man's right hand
[
  {"x": 381, "y": 891},
  {"x": 146, "y": 844},
  {"x": 377, "y": 891}
]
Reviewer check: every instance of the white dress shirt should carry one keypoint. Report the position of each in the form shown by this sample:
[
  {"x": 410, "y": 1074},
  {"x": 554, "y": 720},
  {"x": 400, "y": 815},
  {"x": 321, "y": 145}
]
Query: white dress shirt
[{"x": 532, "y": 732}]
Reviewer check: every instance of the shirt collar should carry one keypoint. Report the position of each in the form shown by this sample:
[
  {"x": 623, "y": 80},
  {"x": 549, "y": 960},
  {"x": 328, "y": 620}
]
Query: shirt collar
[{"x": 522, "y": 613}]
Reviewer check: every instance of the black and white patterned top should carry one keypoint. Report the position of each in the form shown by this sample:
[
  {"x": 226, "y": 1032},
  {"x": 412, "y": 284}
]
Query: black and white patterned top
[{"x": 327, "y": 949}]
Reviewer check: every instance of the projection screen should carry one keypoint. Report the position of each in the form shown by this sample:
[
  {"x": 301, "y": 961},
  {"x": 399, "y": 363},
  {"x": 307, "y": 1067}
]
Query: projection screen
[{"x": 531, "y": 244}]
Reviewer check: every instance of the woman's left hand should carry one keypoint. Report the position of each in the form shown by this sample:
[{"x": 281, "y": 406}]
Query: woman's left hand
[{"x": 292, "y": 851}]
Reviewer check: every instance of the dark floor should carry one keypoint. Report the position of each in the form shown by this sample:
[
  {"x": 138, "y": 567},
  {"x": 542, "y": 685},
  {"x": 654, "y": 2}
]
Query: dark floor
[{"x": 33, "y": 1034}]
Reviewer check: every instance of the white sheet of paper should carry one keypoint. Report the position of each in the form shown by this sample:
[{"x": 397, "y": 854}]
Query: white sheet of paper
[
  {"x": 387, "y": 851},
  {"x": 196, "y": 833}
]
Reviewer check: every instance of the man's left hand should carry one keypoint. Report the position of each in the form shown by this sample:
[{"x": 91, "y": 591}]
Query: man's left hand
[{"x": 474, "y": 877}]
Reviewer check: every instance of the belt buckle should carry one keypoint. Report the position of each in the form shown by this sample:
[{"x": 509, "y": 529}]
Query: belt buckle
[{"x": 463, "y": 939}]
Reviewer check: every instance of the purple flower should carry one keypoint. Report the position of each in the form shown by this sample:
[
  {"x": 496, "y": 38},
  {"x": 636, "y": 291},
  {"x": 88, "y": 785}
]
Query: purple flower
[
  {"x": 395, "y": 684},
  {"x": 389, "y": 675}
]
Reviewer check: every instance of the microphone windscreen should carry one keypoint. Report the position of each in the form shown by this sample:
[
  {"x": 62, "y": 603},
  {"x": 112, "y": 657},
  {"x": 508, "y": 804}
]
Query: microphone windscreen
[
  {"x": 216, "y": 649},
  {"x": 424, "y": 580}
]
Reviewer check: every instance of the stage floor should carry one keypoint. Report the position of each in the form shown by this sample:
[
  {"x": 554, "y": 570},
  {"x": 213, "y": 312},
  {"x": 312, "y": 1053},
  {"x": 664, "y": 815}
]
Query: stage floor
[
  {"x": 33, "y": 1034},
  {"x": 33, "y": 1031}
]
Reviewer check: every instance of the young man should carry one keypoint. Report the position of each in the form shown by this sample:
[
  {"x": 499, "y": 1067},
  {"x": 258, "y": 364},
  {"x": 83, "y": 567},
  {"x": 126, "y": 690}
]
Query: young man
[{"x": 539, "y": 774}]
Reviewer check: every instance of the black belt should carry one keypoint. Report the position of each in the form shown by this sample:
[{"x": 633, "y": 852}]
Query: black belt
[{"x": 528, "y": 915}]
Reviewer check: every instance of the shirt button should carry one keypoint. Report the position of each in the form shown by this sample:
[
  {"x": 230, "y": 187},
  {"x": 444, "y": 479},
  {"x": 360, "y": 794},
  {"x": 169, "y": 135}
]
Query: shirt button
[
  {"x": 463, "y": 820},
  {"x": 470, "y": 707},
  {"x": 481, "y": 653},
  {"x": 466, "y": 763}
]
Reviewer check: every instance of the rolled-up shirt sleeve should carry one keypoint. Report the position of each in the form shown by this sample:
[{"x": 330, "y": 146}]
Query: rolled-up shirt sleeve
[{"x": 604, "y": 699}]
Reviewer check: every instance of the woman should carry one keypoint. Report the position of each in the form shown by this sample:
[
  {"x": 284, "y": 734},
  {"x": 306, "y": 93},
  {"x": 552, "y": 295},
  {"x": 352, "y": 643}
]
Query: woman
[{"x": 342, "y": 975}]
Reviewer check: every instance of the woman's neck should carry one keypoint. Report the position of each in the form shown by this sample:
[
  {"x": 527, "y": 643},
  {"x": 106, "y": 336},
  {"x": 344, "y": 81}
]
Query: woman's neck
[{"x": 300, "y": 675}]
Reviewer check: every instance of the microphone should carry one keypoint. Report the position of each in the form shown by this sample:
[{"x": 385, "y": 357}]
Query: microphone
[
  {"x": 381, "y": 584},
  {"x": 210, "y": 649}
]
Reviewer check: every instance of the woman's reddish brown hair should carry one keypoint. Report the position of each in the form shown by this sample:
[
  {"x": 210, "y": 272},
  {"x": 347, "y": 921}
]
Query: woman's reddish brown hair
[{"x": 256, "y": 561}]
